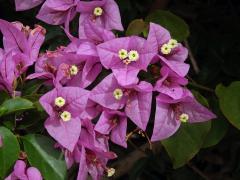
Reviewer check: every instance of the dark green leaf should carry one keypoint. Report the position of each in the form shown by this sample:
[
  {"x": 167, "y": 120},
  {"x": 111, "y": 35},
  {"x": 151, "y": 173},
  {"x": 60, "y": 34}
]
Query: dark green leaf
[
  {"x": 218, "y": 129},
  {"x": 186, "y": 143},
  {"x": 31, "y": 87},
  {"x": 200, "y": 98},
  {"x": 178, "y": 28},
  {"x": 229, "y": 100},
  {"x": 15, "y": 105},
  {"x": 42, "y": 154},
  {"x": 136, "y": 27},
  {"x": 219, "y": 126},
  {"x": 8, "y": 152},
  {"x": 3, "y": 96}
]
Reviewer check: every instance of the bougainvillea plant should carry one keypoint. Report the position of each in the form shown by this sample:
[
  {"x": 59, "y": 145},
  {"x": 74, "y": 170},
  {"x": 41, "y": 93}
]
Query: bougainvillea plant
[{"x": 65, "y": 110}]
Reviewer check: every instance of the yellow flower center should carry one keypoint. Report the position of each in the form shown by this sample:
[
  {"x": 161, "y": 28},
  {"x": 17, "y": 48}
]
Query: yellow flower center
[
  {"x": 60, "y": 101},
  {"x": 133, "y": 55},
  {"x": 166, "y": 49},
  {"x": 172, "y": 43},
  {"x": 98, "y": 11},
  {"x": 65, "y": 116},
  {"x": 110, "y": 172},
  {"x": 122, "y": 54},
  {"x": 184, "y": 117},
  {"x": 118, "y": 94},
  {"x": 73, "y": 70}
]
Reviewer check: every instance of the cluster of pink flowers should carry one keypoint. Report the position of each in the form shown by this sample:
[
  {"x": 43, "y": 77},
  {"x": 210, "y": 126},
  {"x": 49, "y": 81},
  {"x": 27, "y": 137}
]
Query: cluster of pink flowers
[{"x": 119, "y": 97}]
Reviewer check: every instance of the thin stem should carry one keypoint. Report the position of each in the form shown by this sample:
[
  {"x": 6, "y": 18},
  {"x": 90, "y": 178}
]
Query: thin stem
[
  {"x": 131, "y": 133},
  {"x": 195, "y": 84},
  {"x": 149, "y": 141},
  {"x": 196, "y": 170},
  {"x": 192, "y": 58},
  {"x": 201, "y": 87}
]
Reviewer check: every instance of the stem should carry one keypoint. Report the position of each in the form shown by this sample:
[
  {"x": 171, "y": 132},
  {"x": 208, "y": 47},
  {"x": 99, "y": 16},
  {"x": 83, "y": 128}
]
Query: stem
[
  {"x": 196, "y": 170},
  {"x": 201, "y": 87},
  {"x": 195, "y": 84},
  {"x": 192, "y": 58},
  {"x": 149, "y": 141},
  {"x": 131, "y": 133}
]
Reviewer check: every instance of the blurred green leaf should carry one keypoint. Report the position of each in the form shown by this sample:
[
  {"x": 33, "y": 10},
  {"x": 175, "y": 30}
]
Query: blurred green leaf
[
  {"x": 219, "y": 126},
  {"x": 218, "y": 129},
  {"x": 186, "y": 143},
  {"x": 42, "y": 154},
  {"x": 178, "y": 28},
  {"x": 200, "y": 98},
  {"x": 229, "y": 100},
  {"x": 136, "y": 27},
  {"x": 31, "y": 87},
  {"x": 15, "y": 105},
  {"x": 3, "y": 96},
  {"x": 8, "y": 152}
]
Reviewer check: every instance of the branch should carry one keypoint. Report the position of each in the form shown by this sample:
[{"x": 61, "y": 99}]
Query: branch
[
  {"x": 124, "y": 165},
  {"x": 196, "y": 170},
  {"x": 192, "y": 58}
]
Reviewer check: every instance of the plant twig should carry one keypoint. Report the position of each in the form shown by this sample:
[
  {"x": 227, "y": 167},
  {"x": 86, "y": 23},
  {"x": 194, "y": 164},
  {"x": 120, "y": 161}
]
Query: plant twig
[
  {"x": 196, "y": 170},
  {"x": 201, "y": 87},
  {"x": 195, "y": 84},
  {"x": 192, "y": 58},
  {"x": 123, "y": 166}
]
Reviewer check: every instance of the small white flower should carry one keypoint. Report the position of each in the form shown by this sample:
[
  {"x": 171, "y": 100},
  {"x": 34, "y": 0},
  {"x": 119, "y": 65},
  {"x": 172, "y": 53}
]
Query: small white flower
[
  {"x": 60, "y": 101},
  {"x": 133, "y": 55},
  {"x": 110, "y": 172},
  {"x": 184, "y": 117},
  {"x": 166, "y": 49},
  {"x": 172, "y": 43},
  {"x": 118, "y": 94},
  {"x": 73, "y": 70},
  {"x": 98, "y": 11},
  {"x": 122, "y": 54},
  {"x": 65, "y": 116}
]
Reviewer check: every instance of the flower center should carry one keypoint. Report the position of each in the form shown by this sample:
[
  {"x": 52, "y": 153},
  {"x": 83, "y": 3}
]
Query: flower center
[
  {"x": 122, "y": 54},
  {"x": 60, "y": 102},
  {"x": 98, "y": 11},
  {"x": 169, "y": 46},
  {"x": 166, "y": 49},
  {"x": 173, "y": 43},
  {"x": 118, "y": 94},
  {"x": 73, "y": 70},
  {"x": 65, "y": 116},
  {"x": 184, "y": 117},
  {"x": 128, "y": 57},
  {"x": 133, "y": 55},
  {"x": 110, "y": 172}
]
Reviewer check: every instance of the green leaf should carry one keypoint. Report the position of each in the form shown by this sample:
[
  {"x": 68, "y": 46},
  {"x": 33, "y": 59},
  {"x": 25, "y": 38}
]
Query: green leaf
[
  {"x": 200, "y": 98},
  {"x": 15, "y": 105},
  {"x": 136, "y": 27},
  {"x": 186, "y": 143},
  {"x": 229, "y": 100},
  {"x": 219, "y": 126},
  {"x": 218, "y": 130},
  {"x": 31, "y": 87},
  {"x": 178, "y": 28},
  {"x": 3, "y": 96},
  {"x": 42, "y": 154},
  {"x": 8, "y": 152}
]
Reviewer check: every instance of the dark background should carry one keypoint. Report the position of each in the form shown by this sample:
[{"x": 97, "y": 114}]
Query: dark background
[{"x": 215, "y": 42}]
